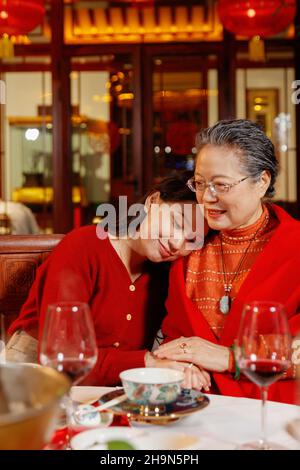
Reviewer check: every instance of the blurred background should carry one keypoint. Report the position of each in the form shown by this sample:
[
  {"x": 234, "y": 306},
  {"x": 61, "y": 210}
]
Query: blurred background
[{"x": 103, "y": 98}]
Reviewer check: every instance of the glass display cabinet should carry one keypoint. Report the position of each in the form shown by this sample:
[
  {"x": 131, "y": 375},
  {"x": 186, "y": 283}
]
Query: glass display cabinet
[{"x": 31, "y": 172}]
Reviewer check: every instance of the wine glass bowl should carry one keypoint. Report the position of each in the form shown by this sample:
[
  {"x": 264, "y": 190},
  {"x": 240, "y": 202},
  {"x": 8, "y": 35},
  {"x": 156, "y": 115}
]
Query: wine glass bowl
[
  {"x": 263, "y": 352},
  {"x": 68, "y": 342}
]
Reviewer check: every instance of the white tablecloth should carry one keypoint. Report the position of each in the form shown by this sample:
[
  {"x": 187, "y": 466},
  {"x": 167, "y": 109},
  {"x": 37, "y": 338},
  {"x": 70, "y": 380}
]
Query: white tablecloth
[{"x": 228, "y": 421}]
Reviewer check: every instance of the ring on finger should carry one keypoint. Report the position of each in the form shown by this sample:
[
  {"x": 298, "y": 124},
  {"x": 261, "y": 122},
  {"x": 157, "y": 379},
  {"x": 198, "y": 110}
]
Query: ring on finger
[{"x": 183, "y": 346}]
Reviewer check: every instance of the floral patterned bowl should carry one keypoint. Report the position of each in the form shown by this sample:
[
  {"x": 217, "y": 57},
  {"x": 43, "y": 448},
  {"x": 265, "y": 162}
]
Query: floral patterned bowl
[{"x": 152, "y": 386}]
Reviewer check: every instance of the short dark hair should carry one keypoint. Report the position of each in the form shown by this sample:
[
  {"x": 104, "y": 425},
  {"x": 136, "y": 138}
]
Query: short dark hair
[
  {"x": 253, "y": 147},
  {"x": 173, "y": 188}
]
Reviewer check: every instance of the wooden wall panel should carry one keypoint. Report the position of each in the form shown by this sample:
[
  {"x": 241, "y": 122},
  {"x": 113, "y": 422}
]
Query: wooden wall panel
[{"x": 20, "y": 256}]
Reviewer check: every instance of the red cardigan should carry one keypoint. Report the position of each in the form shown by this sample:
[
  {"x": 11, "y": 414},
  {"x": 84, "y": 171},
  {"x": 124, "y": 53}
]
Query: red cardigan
[
  {"x": 84, "y": 268},
  {"x": 274, "y": 276}
]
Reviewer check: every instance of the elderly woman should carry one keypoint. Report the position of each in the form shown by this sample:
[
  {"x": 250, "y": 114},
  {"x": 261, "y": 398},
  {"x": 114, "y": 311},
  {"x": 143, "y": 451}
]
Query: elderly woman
[{"x": 251, "y": 253}]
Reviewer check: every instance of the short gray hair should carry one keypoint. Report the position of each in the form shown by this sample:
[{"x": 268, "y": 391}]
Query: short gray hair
[{"x": 253, "y": 147}]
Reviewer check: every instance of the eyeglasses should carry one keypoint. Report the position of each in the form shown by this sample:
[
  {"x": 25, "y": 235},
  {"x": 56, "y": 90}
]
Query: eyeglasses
[{"x": 215, "y": 188}]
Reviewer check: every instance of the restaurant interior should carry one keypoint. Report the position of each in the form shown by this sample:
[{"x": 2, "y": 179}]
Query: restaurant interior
[{"x": 101, "y": 99}]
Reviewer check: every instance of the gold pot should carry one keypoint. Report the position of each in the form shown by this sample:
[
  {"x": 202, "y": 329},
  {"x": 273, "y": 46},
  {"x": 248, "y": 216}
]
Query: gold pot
[{"x": 29, "y": 403}]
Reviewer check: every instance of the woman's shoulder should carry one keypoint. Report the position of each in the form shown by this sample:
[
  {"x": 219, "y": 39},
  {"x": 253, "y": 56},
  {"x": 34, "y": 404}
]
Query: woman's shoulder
[
  {"x": 286, "y": 238},
  {"x": 86, "y": 232},
  {"x": 86, "y": 238},
  {"x": 286, "y": 223}
]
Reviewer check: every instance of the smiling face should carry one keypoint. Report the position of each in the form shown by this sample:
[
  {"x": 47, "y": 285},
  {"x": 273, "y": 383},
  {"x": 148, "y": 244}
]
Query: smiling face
[
  {"x": 241, "y": 205},
  {"x": 169, "y": 230}
]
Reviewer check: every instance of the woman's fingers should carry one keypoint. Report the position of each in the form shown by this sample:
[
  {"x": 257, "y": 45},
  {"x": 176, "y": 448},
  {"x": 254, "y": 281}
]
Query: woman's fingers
[
  {"x": 179, "y": 343},
  {"x": 182, "y": 349},
  {"x": 196, "y": 382},
  {"x": 200, "y": 379},
  {"x": 167, "y": 352},
  {"x": 176, "y": 356},
  {"x": 207, "y": 376},
  {"x": 187, "y": 383},
  {"x": 196, "y": 378},
  {"x": 169, "y": 364},
  {"x": 204, "y": 377}
]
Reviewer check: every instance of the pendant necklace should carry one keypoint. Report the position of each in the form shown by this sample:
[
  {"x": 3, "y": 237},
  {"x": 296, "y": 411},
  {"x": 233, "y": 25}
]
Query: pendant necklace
[{"x": 226, "y": 301}]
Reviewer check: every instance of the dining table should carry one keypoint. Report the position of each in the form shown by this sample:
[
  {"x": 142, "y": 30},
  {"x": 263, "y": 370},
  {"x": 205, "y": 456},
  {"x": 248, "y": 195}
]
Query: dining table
[{"x": 226, "y": 423}]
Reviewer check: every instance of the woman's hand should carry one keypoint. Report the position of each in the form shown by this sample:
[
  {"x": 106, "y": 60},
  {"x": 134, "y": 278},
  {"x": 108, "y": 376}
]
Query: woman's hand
[
  {"x": 193, "y": 376},
  {"x": 203, "y": 353}
]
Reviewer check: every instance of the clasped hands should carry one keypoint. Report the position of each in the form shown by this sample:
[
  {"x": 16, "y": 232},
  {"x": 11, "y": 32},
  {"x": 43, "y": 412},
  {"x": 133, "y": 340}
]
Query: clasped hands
[{"x": 195, "y": 356}]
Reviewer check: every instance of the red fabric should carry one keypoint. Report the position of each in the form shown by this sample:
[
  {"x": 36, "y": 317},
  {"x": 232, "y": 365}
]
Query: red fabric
[
  {"x": 59, "y": 438},
  {"x": 21, "y": 17},
  {"x": 275, "y": 276},
  {"x": 257, "y": 17},
  {"x": 86, "y": 268},
  {"x": 77, "y": 217}
]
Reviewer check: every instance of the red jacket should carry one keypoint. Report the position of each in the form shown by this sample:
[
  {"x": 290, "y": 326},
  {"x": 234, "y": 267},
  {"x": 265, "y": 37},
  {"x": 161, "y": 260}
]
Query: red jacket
[
  {"x": 84, "y": 268},
  {"x": 275, "y": 276}
]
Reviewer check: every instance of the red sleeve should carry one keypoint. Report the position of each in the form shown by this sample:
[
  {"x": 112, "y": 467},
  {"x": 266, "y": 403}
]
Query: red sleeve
[
  {"x": 111, "y": 363},
  {"x": 65, "y": 275}
]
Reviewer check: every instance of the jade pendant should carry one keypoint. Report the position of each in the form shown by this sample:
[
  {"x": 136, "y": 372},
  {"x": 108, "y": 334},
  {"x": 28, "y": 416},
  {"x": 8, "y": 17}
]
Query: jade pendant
[{"x": 224, "y": 304}]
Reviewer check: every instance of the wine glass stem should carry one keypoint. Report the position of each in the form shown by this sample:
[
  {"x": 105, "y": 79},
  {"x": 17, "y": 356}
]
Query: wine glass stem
[
  {"x": 264, "y": 398},
  {"x": 69, "y": 411}
]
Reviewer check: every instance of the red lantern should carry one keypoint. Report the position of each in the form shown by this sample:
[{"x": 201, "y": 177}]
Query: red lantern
[
  {"x": 257, "y": 17},
  {"x": 128, "y": 3},
  {"x": 19, "y": 17},
  {"x": 133, "y": 2}
]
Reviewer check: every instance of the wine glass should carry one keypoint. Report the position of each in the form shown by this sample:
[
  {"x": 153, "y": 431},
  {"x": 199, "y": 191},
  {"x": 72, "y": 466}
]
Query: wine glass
[
  {"x": 69, "y": 344},
  {"x": 263, "y": 354}
]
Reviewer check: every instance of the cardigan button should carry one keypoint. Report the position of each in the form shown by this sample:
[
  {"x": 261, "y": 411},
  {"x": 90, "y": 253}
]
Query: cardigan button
[
  {"x": 128, "y": 317},
  {"x": 132, "y": 288},
  {"x": 116, "y": 344}
]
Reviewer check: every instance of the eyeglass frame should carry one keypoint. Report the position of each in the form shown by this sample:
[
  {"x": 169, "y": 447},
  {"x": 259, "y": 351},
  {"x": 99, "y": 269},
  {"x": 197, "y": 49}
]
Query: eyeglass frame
[{"x": 211, "y": 186}]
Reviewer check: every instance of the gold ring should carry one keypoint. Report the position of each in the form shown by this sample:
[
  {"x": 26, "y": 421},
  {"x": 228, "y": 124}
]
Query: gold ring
[{"x": 183, "y": 346}]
